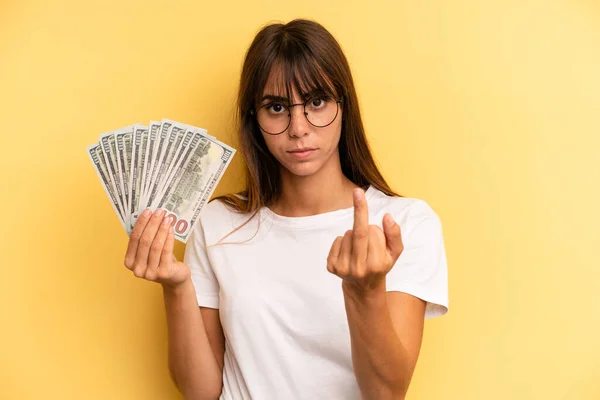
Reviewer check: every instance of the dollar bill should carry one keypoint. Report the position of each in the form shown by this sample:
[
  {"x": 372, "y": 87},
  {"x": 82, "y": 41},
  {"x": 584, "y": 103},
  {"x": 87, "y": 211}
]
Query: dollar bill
[
  {"x": 123, "y": 162},
  {"x": 137, "y": 166},
  {"x": 157, "y": 156},
  {"x": 95, "y": 153},
  {"x": 109, "y": 150},
  {"x": 153, "y": 134}
]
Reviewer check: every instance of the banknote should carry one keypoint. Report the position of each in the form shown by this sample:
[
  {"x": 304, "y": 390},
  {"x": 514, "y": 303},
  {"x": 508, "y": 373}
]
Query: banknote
[
  {"x": 97, "y": 158},
  {"x": 123, "y": 162},
  {"x": 167, "y": 164},
  {"x": 140, "y": 134},
  {"x": 153, "y": 134},
  {"x": 158, "y": 154},
  {"x": 109, "y": 150}
]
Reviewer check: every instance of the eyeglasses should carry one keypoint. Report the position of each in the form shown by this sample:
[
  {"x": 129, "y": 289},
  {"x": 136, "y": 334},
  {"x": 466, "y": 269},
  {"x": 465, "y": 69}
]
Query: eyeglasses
[{"x": 275, "y": 117}]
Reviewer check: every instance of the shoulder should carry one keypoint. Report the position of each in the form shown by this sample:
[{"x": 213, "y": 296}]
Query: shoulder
[
  {"x": 408, "y": 212},
  {"x": 217, "y": 219}
]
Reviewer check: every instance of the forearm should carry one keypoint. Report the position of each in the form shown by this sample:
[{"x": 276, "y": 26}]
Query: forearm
[
  {"x": 192, "y": 363},
  {"x": 381, "y": 363}
]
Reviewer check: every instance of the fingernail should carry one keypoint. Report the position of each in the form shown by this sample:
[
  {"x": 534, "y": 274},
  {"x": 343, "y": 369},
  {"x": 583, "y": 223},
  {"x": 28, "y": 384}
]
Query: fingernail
[
  {"x": 146, "y": 212},
  {"x": 357, "y": 194},
  {"x": 166, "y": 220},
  {"x": 160, "y": 212}
]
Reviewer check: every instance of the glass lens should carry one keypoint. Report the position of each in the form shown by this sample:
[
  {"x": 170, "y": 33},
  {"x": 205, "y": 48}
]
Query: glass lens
[
  {"x": 321, "y": 111},
  {"x": 273, "y": 117}
]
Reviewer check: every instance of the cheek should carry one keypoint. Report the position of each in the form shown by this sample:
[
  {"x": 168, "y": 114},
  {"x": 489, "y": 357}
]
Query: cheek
[
  {"x": 335, "y": 136},
  {"x": 273, "y": 143}
]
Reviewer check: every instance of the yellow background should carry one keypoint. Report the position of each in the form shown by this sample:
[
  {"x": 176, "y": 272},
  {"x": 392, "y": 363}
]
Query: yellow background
[{"x": 488, "y": 110}]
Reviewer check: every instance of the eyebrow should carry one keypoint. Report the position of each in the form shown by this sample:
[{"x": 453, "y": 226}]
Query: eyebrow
[
  {"x": 273, "y": 97},
  {"x": 282, "y": 99}
]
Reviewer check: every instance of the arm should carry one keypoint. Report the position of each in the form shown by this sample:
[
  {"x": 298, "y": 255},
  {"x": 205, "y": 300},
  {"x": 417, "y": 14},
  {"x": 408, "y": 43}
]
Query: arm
[
  {"x": 386, "y": 330},
  {"x": 195, "y": 337},
  {"x": 196, "y": 344}
]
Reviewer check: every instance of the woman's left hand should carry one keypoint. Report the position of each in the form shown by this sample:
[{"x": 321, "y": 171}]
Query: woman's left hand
[{"x": 365, "y": 254}]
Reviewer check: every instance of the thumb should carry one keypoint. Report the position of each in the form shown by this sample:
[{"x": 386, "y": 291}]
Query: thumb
[{"x": 393, "y": 237}]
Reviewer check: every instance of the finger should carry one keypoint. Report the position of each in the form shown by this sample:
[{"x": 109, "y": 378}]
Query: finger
[
  {"x": 393, "y": 237},
  {"x": 343, "y": 264},
  {"x": 360, "y": 230},
  {"x": 377, "y": 250},
  {"x": 141, "y": 258},
  {"x": 334, "y": 254},
  {"x": 157, "y": 247},
  {"x": 134, "y": 238},
  {"x": 167, "y": 258}
]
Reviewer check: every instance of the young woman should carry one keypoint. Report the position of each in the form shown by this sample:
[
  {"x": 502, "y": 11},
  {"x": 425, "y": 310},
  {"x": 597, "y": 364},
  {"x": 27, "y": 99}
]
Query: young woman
[{"x": 315, "y": 281}]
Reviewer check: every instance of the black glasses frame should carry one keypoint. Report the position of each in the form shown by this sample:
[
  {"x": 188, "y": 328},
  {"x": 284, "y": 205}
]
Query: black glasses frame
[{"x": 289, "y": 108}]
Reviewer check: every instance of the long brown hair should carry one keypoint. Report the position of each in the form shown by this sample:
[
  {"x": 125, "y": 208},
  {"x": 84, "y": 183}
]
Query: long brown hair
[{"x": 310, "y": 59}]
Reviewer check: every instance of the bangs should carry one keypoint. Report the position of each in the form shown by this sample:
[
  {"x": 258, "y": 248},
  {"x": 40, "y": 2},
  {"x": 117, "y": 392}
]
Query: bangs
[{"x": 294, "y": 70}]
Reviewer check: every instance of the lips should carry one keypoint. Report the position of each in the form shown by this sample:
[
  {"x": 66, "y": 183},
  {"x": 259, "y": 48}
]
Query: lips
[{"x": 302, "y": 153}]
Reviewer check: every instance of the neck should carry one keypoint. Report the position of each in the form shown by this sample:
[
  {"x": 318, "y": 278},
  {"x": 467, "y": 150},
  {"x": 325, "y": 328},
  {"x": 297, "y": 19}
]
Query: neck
[{"x": 325, "y": 191}]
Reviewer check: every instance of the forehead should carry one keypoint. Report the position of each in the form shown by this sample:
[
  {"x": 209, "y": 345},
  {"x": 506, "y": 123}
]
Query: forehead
[
  {"x": 287, "y": 81},
  {"x": 278, "y": 84}
]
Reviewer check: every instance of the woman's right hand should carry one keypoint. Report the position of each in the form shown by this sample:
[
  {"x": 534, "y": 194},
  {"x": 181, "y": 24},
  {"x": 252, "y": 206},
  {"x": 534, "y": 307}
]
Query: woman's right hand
[{"x": 150, "y": 250}]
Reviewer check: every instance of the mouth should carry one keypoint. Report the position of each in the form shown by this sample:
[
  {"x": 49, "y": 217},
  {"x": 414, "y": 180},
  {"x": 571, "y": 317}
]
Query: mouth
[{"x": 302, "y": 153}]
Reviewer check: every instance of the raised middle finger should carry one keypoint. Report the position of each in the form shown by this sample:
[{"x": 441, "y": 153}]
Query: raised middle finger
[{"x": 360, "y": 230}]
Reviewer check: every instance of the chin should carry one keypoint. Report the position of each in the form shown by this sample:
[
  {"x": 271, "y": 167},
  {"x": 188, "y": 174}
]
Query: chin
[{"x": 303, "y": 169}]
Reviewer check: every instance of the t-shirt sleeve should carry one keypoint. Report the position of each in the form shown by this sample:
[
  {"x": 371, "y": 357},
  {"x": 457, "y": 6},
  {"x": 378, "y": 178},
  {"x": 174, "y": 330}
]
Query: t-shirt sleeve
[
  {"x": 203, "y": 276},
  {"x": 421, "y": 269}
]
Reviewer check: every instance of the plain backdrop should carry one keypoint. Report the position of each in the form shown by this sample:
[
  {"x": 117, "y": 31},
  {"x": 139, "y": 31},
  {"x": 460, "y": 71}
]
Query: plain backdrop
[{"x": 488, "y": 110}]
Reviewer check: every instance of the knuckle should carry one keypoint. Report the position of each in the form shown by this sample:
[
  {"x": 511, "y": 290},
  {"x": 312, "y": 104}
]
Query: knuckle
[
  {"x": 162, "y": 273},
  {"x": 156, "y": 246},
  {"x": 135, "y": 237},
  {"x": 358, "y": 262},
  {"x": 330, "y": 266},
  {"x": 360, "y": 233},
  {"x": 138, "y": 272},
  {"x": 145, "y": 241},
  {"x": 128, "y": 263},
  {"x": 376, "y": 231},
  {"x": 360, "y": 273},
  {"x": 151, "y": 276}
]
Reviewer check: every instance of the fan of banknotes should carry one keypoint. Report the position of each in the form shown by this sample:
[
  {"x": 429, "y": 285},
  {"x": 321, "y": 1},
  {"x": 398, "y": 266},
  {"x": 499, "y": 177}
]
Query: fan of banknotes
[{"x": 166, "y": 165}]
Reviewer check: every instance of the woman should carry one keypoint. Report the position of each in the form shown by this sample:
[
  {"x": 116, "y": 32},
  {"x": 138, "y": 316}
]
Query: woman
[{"x": 315, "y": 281}]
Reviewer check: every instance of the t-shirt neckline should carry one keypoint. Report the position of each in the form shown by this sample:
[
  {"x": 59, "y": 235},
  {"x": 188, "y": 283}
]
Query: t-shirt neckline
[{"x": 317, "y": 220}]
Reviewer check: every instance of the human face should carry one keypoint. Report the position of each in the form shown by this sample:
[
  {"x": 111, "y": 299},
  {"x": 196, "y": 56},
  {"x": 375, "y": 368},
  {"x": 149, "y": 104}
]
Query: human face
[{"x": 302, "y": 149}]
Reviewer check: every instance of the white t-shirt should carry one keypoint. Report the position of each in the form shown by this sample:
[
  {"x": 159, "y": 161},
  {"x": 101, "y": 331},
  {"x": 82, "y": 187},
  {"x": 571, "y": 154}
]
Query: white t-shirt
[{"x": 282, "y": 312}]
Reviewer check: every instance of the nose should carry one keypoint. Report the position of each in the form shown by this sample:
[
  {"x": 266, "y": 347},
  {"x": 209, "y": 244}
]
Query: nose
[{"x": 298, "y": 122}]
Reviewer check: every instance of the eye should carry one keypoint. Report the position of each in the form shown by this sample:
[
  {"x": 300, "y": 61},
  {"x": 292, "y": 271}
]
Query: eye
[
  {"x": 317, "y": 102},
  {"x": 275, "y": 108}
]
